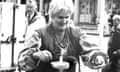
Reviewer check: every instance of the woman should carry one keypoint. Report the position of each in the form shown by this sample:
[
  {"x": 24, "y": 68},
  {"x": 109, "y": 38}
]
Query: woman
[
  {"x": 114, "y": 47},
  {"x": 115, "y": 36},
  {"x": 59, "y": 40}
]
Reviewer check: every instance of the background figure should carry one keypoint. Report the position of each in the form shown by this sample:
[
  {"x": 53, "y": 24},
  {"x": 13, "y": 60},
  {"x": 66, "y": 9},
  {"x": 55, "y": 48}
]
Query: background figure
[
  {"x": 56, "y": 42},
  {"x": 46, "y": 9},
  {"x": 114, "y": 65},
  {"x": 116, "y": 22},
  {"x": 114, "y": 42},
  {"x": 34, "y": 19},
  {"x": 110, "y": 20}
]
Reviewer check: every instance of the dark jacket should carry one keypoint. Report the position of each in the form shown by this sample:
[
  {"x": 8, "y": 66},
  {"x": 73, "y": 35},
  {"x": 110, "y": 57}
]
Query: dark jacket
[{"x": 114, "y": 43}]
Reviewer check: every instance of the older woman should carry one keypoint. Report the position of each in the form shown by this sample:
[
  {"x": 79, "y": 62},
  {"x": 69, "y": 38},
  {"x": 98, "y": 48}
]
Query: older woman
[
  {"x": 115, "y": 37},
  {"x": 59, "y": 41}
]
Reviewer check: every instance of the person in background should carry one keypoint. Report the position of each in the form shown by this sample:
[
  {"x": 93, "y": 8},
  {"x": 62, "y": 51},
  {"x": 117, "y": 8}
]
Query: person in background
[
  {"x": 114, "y": 40},
  {"x": 34, "y": 19},
  {"x": 58, "y": 41},
  {"x": 110, "y": 20},
  {"x": 46, "y": 9}
]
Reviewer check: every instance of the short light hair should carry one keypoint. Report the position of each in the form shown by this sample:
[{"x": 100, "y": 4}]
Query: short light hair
[
  {"x": 57, "y": 6},
  {"x": 116, "y": 17}
]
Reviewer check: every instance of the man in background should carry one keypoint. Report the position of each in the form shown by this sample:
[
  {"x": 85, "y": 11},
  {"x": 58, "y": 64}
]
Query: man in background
[{"x": 34, "y": 19}]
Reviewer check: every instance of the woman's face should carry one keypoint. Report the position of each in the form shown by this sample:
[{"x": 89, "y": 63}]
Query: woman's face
[
  {"x": 60, "y": 21},
  {"x": 117, "y": 24}
]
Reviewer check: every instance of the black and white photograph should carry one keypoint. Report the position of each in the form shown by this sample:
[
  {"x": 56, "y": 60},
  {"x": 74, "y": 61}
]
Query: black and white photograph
[{"x": 59, "y": 36}]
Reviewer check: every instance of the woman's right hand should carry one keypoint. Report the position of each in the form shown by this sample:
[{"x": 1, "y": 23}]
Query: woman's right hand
[
  {"x": 26, "y": 60},
  {"x": 29, "y": 59},
  {"x": 27, "y": 63}
]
